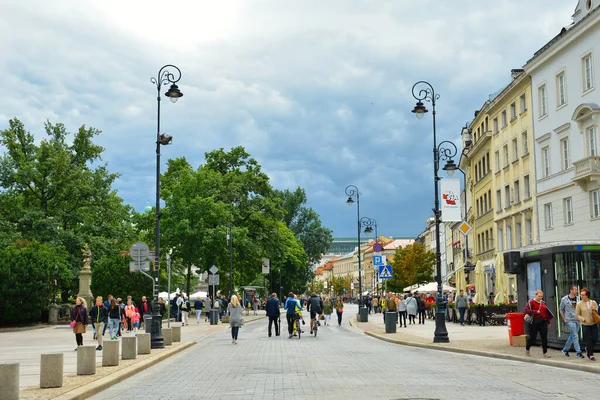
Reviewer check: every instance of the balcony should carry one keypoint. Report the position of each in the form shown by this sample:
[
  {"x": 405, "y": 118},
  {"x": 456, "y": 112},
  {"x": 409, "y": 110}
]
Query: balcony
[{"x": 587, "y": 170}]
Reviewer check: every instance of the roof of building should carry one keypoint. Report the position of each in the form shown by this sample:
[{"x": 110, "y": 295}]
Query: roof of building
[
  {"x": 319, "y": 270},
  {"x": 398, "y": 243}
]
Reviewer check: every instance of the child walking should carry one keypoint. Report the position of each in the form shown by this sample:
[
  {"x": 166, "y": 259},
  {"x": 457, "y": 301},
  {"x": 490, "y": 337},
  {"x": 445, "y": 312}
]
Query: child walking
[{"x": 135, "y": 319}]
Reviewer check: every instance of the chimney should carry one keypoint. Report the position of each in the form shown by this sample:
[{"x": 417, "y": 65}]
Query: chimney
[{"x": 515, "y": 73}]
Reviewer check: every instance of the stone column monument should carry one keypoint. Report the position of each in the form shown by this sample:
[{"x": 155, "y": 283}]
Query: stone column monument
[{"x": 85, "y": 276}]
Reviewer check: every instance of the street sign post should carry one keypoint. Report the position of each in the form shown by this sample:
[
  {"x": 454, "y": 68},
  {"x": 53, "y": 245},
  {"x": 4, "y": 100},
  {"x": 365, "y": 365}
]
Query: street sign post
[
  {"x": 385, "y": 271},
  {"x": 140, "y": 252}
]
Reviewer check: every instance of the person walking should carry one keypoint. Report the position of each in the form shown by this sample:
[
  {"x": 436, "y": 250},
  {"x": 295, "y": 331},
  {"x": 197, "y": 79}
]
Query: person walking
[
  {"x": 198, "y": 309},
  {"x": 401, "y": 310},
  {"x": 290, "y": 306},
  {"x": 375, "y": 304},
  {"x": 273, "y": 312},
  {"x": 411, "y": 309},
  {"x": 542, "y": 317},
  {"x": 585, "y": 314},
  {"x": 129, "y": 310},
  {"x": 339, "y": 310},
  {"x": 107, "y": 304},
  {"x": 569, "y": 317},
  {"x": 161, "y": 307},
  {"x": 135, "y": 320},
  {"x": 421, "y": 309},
  {"x": 99, "y": 318},
  {"x": 144, "y": 308},
  {"x": 327, "y": 309},
  {"x": 185, "y": 311},
  {"x": 79, "y": 320},
  {"x": 255, "y": 304},
  {"x": 235, "y": 318},
  {"x": 462, "y": 303},
  {"x": 207, "y": 307},
  {"x": 114, "y": 318},
  {"x": 391, "y": 307}
]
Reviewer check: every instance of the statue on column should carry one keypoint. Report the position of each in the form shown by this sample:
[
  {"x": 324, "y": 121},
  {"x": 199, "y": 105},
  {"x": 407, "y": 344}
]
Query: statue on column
[{"x": 85, "y": 276}]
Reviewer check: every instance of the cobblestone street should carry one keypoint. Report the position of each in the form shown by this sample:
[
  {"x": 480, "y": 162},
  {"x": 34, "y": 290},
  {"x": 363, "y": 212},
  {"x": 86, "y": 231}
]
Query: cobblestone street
[{"x": 341, "y": 363}]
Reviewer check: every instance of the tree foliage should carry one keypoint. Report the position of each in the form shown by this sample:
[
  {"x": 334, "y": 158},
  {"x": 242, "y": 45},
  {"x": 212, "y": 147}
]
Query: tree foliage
[
  {"x": 111, "y": 276},
  {"x": 411, "y": 265}
]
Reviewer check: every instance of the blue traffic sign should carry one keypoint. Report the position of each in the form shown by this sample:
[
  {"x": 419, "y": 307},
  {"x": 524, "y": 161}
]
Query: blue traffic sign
[
  {"x": 377, "y": 260},
  {"x": 385, "y": 271}
]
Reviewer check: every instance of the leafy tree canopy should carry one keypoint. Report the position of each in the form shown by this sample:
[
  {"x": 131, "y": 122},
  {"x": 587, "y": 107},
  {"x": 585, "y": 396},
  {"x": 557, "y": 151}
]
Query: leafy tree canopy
[{"x": 412, "y": 265}]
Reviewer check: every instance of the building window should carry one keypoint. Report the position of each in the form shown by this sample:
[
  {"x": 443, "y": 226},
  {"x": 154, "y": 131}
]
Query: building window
[
  {"x": 506, "y": 161},
  {"x": 548, "y": 223},
  {"x": 528, "y": 231},
  {"x": 477, "y": 207},
  {"x": 487, "y": 240},
  {"x": 545, "y": 162},
  {"x": 508, "y": 237},
  {"x": 588, "y": 72},
  {"x": 517, "y": 192},
  {"x": 495, "y": 125},
  {"x": 568, "y": 210},
  {"x": 518, "y": 235},
  {"x": 543, "y": 101},
  {"x": 497, "y": 156},
  {"x": 489, "y": 197},
  {"x": 513, "y": 111},
  {"x": 561, "y": 95},
  {"x": 523, "y": 103},
  {"x": 503, "y": 118},
  {"x": 515, "y": 145},
  {"x": 595, "y": 203},
  {"x": 592, "y": 141},
  {"x": 565, "y": 161},
  {"x": 500, "y": 240},
  {"x": 526, "y": 190},
  {"x": 498, "y": 200},
  {"x": 507, "y": 196},
  {"x": 525, "y": 143}
]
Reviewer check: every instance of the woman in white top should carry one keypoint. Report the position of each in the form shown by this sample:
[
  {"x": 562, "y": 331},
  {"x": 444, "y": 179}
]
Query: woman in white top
[{"x": 401, "y": 311}]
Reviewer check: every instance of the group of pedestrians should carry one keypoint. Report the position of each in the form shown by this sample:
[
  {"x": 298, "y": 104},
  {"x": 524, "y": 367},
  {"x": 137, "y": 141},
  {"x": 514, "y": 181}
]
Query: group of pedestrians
[
  {"x": 113, "y": 315},
  {"x": 576, "y": 315},
  {"x": 404, "y": 306}
]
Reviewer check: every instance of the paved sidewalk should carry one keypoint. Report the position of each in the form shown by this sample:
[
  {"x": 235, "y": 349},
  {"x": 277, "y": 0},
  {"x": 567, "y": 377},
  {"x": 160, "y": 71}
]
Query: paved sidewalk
[
  {"x": 25, "y": 346},
  {"x": 489, "y": 341}
]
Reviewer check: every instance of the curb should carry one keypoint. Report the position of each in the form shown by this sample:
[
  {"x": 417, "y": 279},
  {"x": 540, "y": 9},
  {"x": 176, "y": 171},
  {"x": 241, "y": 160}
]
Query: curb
[
  {"x": 548, "y": 363},
  {"x": 83, "y": 392}
]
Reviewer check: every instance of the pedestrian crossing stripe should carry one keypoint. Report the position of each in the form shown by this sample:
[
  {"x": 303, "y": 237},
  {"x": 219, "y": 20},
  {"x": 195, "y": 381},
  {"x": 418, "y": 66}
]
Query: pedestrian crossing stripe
[{"x": 385, "y": 272}]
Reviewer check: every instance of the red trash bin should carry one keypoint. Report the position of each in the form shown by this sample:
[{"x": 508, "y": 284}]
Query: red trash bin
[{"x": 516, "y": 325}]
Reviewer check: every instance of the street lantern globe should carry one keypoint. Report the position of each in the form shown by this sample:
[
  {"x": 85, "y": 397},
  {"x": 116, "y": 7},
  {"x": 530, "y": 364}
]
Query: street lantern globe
[
  {"x": 350, "y": 201},
  {"x": 420, "y": 110},
  {"x": 467, "y": 136},
  {"x": 450, "y": 167},
  {"x": 174, "y": 93},
  {"x": 165, "y": 139},
  {"x": 368, "y": 229}
]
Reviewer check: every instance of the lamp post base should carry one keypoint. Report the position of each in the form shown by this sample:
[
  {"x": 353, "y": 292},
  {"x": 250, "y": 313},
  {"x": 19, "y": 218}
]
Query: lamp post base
[
  {"x": 441, "y": 333},
  {"x": 157, "y": 341}
]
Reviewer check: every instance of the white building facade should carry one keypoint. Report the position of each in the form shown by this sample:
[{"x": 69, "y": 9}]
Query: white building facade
[{"x": 566, "y": 117}]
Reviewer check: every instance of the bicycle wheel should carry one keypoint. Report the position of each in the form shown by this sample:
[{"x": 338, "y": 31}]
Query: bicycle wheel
[
  {"x": 315, "y": 328},
  {"x": 299, "y": 329}
]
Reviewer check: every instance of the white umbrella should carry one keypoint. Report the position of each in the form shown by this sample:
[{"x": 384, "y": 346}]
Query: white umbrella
[
  {"x": 431, "y": 287},
  {"x": 501, "y": 280},
  {"x": 199, "y": 295},
  {"x": 410, "y": 288},
  {"x": 480, "y": 297},
  {"x": 461, "y": 281}
]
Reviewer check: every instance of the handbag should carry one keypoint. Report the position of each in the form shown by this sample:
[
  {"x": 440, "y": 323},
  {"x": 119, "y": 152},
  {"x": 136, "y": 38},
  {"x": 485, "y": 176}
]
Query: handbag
[{"x": 596, "y": 316}]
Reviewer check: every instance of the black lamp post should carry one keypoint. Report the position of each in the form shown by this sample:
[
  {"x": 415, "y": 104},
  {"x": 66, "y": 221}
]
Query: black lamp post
[
  {"x": 230, "y": 239},
  {"x": 164, "y": 77},
  {"x": 369, "y": 229},
  {"x": 353, "y": 192},
  {"x": 439, "y": 153}
]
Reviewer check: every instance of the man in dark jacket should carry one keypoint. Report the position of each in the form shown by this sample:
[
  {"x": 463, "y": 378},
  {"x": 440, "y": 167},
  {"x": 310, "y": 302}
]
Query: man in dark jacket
[
  {"x": 99, "y": 318},
  {"x": 315, "y": 307},
  {"x": 273, "y": 313}
]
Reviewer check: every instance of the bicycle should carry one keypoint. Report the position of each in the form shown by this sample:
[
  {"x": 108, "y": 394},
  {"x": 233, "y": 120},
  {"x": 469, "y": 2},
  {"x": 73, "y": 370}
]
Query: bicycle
[
  {"x": 316, "y": 324},
  {"x": 297, "y": 328}
]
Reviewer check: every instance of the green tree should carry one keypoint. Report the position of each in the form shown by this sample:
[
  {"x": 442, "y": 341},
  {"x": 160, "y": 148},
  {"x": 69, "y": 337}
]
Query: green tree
[
  {"x": 411, "y": 265},
  {"x": 111, "y": 275},
  {"x": 27, "y": 273},
  {"x": 60, "y": 194}
]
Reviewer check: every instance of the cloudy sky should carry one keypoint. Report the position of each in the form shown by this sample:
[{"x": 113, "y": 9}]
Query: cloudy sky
[{"x": 319, "y": 92}]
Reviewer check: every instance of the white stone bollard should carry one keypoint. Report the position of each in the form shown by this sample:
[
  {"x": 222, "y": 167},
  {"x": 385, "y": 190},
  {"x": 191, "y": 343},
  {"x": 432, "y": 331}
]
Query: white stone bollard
[
  {"x": 168, "y": 336},
  {"x": 110, "y": 353},
  {"x": 51, "y": 370},
  {"x": 9, "y": 381},
  {"x": 128, "y": 348},
  {"x": 143, "y": 343},
  {"x": 176, "y": 334},
  {"x": 86, "y": 360}
]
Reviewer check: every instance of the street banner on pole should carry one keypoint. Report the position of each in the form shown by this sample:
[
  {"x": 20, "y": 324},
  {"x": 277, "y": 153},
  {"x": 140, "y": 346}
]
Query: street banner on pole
[
  {"x": 450, "y": 200},
  {"x": 325, "y": 285},
  {"x": 266, "y": 265}
]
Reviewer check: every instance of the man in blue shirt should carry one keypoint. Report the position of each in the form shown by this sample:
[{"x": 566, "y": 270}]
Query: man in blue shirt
[
  {"x": 272, "y": 309},
  {"x": 290, "y": 306}
]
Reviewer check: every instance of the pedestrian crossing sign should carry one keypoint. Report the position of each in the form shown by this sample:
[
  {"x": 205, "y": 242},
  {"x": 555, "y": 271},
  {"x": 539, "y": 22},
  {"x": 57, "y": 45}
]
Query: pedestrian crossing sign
[{"x": 385, "y": 271}]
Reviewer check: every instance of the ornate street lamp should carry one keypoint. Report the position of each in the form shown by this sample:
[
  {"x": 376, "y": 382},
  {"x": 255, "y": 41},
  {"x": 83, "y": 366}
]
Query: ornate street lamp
[
  {"x": 369, "y": 224},
  {"x": 164, "y": 77},
  {"x": 352, "y": 192},
  {"x": 446, "y": 151}
]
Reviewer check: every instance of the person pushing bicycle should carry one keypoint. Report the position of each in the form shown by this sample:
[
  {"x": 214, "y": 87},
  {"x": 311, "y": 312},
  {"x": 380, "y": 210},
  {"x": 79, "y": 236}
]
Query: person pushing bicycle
[{"x": 315, "y": 307}]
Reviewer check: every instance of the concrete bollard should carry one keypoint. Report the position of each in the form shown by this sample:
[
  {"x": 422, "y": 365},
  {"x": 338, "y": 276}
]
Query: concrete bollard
[
  {"x": 168, "y": 336},
  {"x": 143, "y": 343},
  {"x": 129, "y": 348},
  {"x": 9, "y": 381},
  {"x": 51, "y": 370},
  {"x": 110, "y": 353},
  {"x": 53, "y": 314},
  {"x": 176, "y": 333},
  {"x": 86, "y": 360}
]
